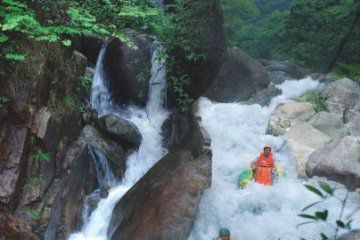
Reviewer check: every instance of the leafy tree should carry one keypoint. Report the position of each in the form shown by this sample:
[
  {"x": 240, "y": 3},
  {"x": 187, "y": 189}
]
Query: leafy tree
[
  {"x": 58, "y": 21},
  {"x": 315, "y": 28}
]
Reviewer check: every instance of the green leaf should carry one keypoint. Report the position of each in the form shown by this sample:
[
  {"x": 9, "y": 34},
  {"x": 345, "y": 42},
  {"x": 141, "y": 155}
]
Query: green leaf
[
  {"x": 340, "y": 223},
  {"x": 314, "y": 190},
  {"x": 308, "y": 216},
  {"x": 3, "y": 38},
  {"x": 16, "y": 57},
  {"x": 324, "y": 237},
  {"x": 322, "y": 215},
  {"x": 310, "y": 206},
  {"x": 326, "y": 188},
  {"x": 67, "y": 42}
]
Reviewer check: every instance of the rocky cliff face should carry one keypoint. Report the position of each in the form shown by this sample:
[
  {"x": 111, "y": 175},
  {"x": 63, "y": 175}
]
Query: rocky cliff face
[{"x": 40, "y": 117}]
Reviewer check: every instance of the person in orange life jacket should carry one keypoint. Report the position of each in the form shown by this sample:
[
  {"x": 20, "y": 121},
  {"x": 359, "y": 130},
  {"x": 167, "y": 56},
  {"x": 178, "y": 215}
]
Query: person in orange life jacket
[{"x": 264, "y": 167}]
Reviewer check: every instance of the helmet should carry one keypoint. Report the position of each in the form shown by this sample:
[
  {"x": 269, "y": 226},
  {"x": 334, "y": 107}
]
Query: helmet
[
  {"x": 224, "y": 232},
  {"x": 267, "y": 146}
]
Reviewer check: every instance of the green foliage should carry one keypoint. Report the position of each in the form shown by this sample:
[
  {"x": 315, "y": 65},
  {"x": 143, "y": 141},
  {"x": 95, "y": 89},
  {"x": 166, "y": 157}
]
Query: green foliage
[
  {"x": 33, "y": 182},
  {"x": 33, "y": 213},
  {"x": 16, "y": 57},
  {"x": 237, "y": 14},
  {"x": 314, "y": 29},
  {"x": 86, "y": 81},
  {"x": 324, "y": 192},
  {"x": 104, "y": 18},
  {"x": 350, "y": 70},
  {"x": 4, "y": 100},
  {"x": 316, "y": 99},
  {"x": 40, "y": 156},
  {"x": 308, "y": 32}
]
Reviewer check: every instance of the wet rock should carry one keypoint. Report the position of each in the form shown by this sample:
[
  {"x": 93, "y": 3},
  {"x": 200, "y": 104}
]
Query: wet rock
[
  {"x": 52, "y": 127},
  {"x": 129, "y": 69},
  {"x": 113, "y": 151},
  {"x": 282, "y": 70},
  {"x": 12, "y": 162},
  {"x": 90, "y": 46},
  {"x": 79, "y": 58},
  {"x": 239, "y": 77},
  {"x": 89, "y": 116},
  {"x": 13, "y": 228},
  {"x": 329, "y": 123},
  {"x": 304, "y": 140},
  {"x": 353, "y": 235},
  {"x": 337, "y": 161},
  {"x": 175, "y": 129},
  {"x": 120, "y": 130},
  {"x": 164, "y": 202},
  {"x": 342, "y": 97},
  {"x": 104, "y": 192},
  {"x": 264, "y": 96},
  {"x": 89, "y": 72},
  {"x": 287, "y": 115},
  {"x": 353, "y": 127},
  {"x": 79, "y": 181}
]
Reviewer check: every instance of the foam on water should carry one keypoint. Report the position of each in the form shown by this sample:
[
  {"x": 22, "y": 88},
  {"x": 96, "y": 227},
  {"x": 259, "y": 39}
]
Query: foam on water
[{"x": 258, "y": 212}]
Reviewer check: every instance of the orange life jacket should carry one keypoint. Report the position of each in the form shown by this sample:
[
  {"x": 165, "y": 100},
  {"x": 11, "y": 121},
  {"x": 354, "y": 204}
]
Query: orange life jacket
[{"x": 263, "y": 169}]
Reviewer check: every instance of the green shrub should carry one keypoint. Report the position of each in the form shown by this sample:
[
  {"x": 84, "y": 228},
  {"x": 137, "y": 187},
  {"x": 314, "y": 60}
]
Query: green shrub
[
  {"x": 324, "y": 192},
  {"x": 317, "y": 100}
]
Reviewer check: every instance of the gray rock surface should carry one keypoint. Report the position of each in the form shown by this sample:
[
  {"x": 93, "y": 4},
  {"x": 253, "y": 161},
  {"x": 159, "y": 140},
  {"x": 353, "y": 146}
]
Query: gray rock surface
[
  {"x": 287, "y": 114},
  {"x": 342, "y": 97},
  {"x": 337, "y": 161},
  {"x": 303, "y": 141},
  {"x": 329, "y": 123},
  {"x": 120, "y": 130}
]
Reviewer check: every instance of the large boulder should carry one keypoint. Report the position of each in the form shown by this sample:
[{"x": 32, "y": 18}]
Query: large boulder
[
  {"x": 120, "y": 130},
  {"x": 128, "y": 69},
  {"x": 303, "y": 140},
  {"x": 337, "y": 161},
  {"x": 342, "y": 97},
  {"x": 239, "y": 77},
  {"x": 281, "y": 70},
  {"x": 329, "y": 123},
  {"x": 164, "y": 202},
  {"x": 287, "y": 114}
]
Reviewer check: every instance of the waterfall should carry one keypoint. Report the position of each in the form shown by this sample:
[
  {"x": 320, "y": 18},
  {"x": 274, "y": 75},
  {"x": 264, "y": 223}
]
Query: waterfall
[
  {"x": 238, "y": 133},
  {"x": 148, "y": 120},
  {"x": 103, "y": 170}
]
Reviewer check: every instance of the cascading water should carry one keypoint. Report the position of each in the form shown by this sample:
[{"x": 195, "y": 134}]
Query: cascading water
[
  {"x": 103, "y": 169},
  {"x": 148, "y": 121},
  {"x": 257, "y": 212}
]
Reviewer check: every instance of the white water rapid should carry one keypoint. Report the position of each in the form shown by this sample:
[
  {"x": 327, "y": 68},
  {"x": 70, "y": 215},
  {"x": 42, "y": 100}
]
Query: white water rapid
[
  {"x": 258, "y": 212},
  {"x": 148, "y": 121}
]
